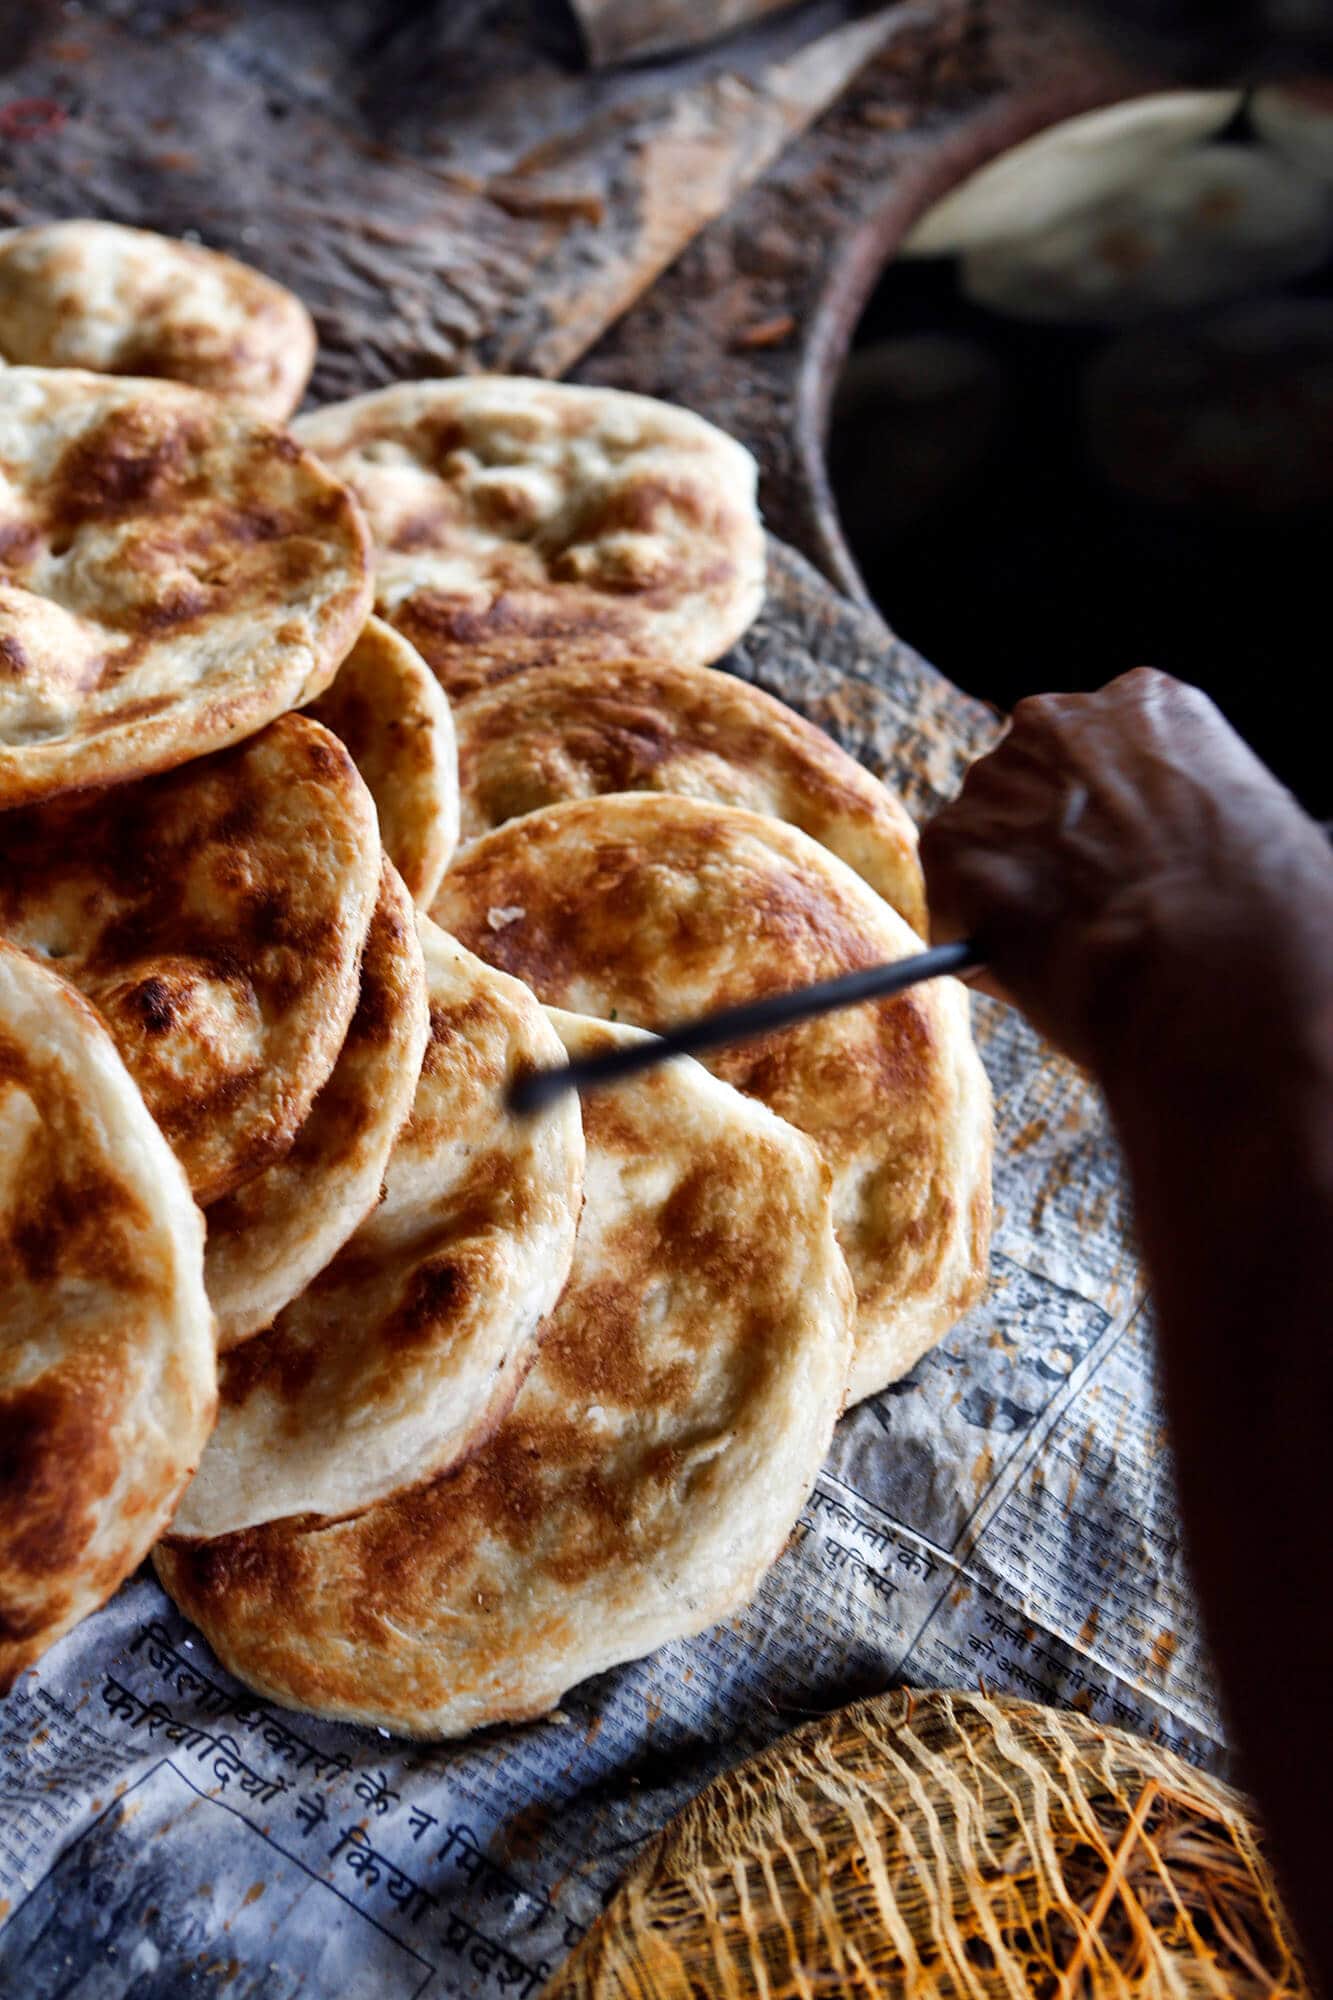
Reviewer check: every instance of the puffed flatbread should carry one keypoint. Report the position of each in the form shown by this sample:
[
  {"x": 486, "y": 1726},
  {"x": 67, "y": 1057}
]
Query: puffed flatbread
[
  {"x": 648, "y": 908},
  {"x": 1066, "y": 168},
  {"x": 128, "y": 302},
  {"x": 1295, "y": 118},
  {"x": 392, "y": 713},
  {"x": 402, "y": 1354},
  {"x": 269, "y": 1239},
  {"x": 107, "y": 1378},
  {"x": 520, "y": 522},
  {"x": 173, "y": 574},
  {"x": 215, "y": 917},
  {"x": 573, "y": 732},
  {"x": 649, "y": 1473},
  {"x": 1209, "y": 224}
]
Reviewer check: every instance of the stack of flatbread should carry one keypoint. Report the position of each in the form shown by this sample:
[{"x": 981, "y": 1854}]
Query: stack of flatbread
[{"x": 347, "y": 773}]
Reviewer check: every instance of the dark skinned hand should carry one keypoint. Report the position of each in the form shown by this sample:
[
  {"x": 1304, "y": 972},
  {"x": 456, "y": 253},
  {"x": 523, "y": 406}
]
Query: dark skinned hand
[
  {"x": 1122, "y": 846},
  {"x": 1163, "y": 910}
]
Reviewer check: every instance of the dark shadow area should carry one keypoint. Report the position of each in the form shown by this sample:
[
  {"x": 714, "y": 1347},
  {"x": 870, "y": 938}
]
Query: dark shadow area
[{"x": 1037, "y": 506}]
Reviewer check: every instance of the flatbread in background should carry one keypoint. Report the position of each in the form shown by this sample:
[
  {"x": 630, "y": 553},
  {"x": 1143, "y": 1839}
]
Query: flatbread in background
[
  {"x": 1066, "y": 168},
  {"x": 649, "y": 908},
  {"x": 1295, "y": 118},
  {"x": 1206, "y": 225},
  {"x": 272, "y": 1236},
  {"x": 408, "y": 1349},
  {"x": 173, "y": 574},
  {"x": 107, "y": 1378},
  {"x": 128, "y": 302},
  {"x": 572, "y": 732},
  {"x": 519, "y": 523},
  {"x": 651, "y": 1470},
  {"x": 391, "y": 712},
  {"x": 215, "y": 917}
]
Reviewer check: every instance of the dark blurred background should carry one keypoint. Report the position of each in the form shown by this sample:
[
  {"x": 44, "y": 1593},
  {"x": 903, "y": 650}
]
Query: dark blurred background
[{"x": 1039, "y": 498}]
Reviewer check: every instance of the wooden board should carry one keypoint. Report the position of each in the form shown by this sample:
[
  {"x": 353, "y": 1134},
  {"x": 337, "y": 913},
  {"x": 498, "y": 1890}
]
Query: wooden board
[
  {"x": 752, "y": 323},
  {"x": 447, "y": 188},
  {"x": 450, "y": 187}
]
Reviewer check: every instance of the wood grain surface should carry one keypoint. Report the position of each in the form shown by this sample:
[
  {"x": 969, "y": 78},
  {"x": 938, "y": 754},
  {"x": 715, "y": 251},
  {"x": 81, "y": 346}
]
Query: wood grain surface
[
  {"x": 447, "y": 187},
  {"x": 450, "y": 186}
]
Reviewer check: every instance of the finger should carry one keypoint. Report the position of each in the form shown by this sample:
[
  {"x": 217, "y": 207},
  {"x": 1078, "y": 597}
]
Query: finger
[
  {"x": 983, "y": 889},
  {"x": 945, "y": 926}
]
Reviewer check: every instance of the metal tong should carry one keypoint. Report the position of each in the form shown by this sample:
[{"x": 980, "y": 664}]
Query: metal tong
[{"x": 538, "y": 1088}]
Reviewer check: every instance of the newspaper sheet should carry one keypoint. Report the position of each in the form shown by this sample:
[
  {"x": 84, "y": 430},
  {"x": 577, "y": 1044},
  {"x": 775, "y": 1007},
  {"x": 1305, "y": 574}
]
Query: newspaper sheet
[{"x": 1004, "y": 1516}]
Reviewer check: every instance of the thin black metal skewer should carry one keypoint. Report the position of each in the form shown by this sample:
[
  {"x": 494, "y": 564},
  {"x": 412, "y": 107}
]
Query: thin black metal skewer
[{"x": 536, "y": 1090}]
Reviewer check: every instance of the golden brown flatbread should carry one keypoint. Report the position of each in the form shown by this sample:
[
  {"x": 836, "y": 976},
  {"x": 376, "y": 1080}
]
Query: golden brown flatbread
[
  {"x": 402, "y": 1354},
  {"x": 391, "y": 712},
  {"x": 650, "y": 908},
  {"x": 277, "y": 1232},
  {"x": 107, "y": 1380},
  {"x": 572, "y": 732},
  {"x": 215, "y": 917},
  {"x": 652, "y": 1468},
  {"x": 173, "y": 574},
  {"x": 128, "y": 302},
  {"x": 519, "y": 522}
]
